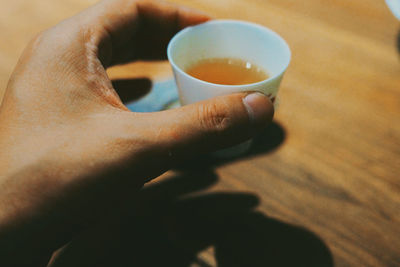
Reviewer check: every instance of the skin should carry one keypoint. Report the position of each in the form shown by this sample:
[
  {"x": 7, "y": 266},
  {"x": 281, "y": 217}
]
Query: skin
[{"x": 71, "y": 152}]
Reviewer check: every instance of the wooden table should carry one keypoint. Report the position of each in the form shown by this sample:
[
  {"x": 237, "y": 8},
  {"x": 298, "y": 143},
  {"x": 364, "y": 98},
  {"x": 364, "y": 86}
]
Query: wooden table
[{"x": 321, "y": 188}]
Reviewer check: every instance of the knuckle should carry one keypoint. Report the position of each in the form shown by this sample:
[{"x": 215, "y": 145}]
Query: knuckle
[
  {"x": 214, "y": 117},
  {"x": 37, "y": 39},
  {"x": 42, "y": 42},
  {"x": 59, "y": 36}
]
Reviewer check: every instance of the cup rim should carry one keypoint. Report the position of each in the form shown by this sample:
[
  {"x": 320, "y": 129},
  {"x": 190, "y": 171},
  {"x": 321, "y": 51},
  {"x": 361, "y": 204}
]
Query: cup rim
[{"x": 228, "y": 21}]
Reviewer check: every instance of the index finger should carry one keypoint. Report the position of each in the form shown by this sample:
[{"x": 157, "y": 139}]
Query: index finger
[{"x": 121, "y": 26}]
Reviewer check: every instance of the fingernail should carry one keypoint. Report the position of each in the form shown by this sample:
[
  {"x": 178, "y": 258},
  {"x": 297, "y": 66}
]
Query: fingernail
[{"x": 259, "y": 108}]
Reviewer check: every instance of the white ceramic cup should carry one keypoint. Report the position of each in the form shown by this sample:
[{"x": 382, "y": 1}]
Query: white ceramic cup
[
  {"x": 394, "y": 6},
  {"x": 227, "y": 39}
]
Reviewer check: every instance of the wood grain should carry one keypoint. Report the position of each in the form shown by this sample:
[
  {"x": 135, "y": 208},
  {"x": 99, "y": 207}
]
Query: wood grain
[{"x": 334, "y": 171}]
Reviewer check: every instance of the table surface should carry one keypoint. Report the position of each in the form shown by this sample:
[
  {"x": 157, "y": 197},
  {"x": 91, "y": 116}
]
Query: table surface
[{"x": 322, "y": 188}]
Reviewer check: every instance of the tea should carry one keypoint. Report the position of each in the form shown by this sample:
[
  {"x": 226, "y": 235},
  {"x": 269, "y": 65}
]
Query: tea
[{"x": 228, "y": 71}]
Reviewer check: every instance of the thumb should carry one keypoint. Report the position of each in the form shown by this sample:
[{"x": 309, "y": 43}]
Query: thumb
[{"x": 210, "y": 125}]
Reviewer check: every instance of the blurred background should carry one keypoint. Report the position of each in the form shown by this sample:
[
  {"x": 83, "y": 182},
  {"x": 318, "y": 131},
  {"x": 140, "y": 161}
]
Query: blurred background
[{"x": 321, "y": 187}]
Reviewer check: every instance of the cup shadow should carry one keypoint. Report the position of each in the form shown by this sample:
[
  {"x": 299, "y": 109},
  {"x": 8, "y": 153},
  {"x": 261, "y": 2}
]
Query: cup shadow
[
  {"x": 171, "y": 224},
  {"x": 267, "y": 141},
  {"x": 398, "y": 42}
]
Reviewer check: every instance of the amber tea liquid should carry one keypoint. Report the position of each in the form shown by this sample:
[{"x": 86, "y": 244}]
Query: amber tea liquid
[{"x": 228, "y": 71}]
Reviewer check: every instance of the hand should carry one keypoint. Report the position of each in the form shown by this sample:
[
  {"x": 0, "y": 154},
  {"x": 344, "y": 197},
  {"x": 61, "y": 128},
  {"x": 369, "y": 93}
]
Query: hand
[{"x": 71, "y": 152}]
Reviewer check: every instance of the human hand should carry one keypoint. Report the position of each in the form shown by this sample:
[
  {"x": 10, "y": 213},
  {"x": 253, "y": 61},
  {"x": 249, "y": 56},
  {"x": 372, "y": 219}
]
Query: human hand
[{"x": 71, "y": 152}]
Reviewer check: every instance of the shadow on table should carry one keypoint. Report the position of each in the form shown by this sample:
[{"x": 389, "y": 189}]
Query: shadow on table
[
  {"x": 171, "y": 223},
  {"x": 132, "y": 89}
]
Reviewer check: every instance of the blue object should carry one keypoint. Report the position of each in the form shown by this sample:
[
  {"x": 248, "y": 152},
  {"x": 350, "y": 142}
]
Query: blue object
[{"x": 161, "y": 96}]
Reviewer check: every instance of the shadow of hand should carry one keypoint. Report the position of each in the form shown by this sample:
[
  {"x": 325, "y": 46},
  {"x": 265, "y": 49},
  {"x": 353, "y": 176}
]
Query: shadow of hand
[{"x": 170, "y": 229}]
